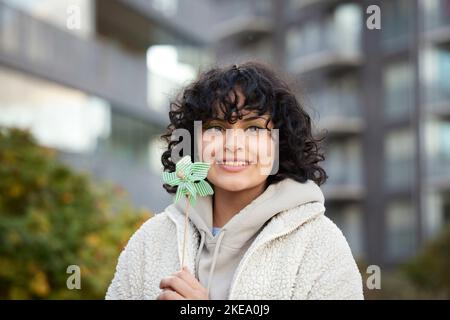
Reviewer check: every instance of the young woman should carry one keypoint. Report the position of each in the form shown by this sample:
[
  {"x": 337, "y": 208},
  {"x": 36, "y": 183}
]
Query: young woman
[{"x": 263, "y": 233}]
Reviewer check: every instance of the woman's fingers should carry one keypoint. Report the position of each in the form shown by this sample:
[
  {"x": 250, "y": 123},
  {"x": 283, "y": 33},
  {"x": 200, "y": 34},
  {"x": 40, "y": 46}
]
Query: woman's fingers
[
  {"x": 189, "y": 278},
  {"x": 184, "y": 284},
  {"x": 177, "y": 284},
  {"x": 168, "y": 294}
]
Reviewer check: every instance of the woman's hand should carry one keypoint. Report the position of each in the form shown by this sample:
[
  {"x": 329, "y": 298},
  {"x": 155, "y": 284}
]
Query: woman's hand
[{"x": 182, "y": 285}]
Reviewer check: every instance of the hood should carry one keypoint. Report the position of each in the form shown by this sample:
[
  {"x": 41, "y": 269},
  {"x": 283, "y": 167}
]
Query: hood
[{"x": 240, "y": 231}]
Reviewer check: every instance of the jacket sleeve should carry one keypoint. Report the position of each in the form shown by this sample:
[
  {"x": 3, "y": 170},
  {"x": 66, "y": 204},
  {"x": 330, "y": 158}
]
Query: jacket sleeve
[
  {"x": 127, "y": 281},
  {"x": 336, "y": 275}
]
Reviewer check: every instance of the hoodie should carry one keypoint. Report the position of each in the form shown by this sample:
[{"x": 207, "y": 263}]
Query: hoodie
[{"x": 218, "y": 256}]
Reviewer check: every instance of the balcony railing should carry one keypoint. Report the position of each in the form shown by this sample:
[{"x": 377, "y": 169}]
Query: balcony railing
[
  {"x": 343, "y": 164},
  {"x": 301, "y": 4},
  {"x": 438, "y": 150},
  {"x": 437, "y": 80},
  {"x": 335, "y": 40},
  {"x": 179, "y": 16},
  {"x": 399, "y": 174},
  {"x": 236, "y": 18},
  {"x": 397, "y": 24},
  {"x": 436, "y": 14},
  {"x": 334, "y": 103},
  {"x": 336, "y": 106},
  {"x": 345, "y": 174}
]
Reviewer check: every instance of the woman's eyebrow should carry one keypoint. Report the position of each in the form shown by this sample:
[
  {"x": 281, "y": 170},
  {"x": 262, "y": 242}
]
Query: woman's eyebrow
[
  {"x": 245, "y": 120},
  {"x": 253, "y": 118}
]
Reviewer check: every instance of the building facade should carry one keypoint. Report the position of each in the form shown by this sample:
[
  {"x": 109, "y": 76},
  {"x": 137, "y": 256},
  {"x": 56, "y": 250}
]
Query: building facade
[{"x": 381, "y": 98}]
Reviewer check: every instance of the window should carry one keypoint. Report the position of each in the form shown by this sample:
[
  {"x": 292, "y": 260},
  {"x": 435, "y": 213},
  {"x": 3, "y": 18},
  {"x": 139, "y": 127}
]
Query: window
[
  {"x": 437, "y": 140},
  {"x": 398, "y": 81},
  {"x": 347, "y": 22},
  {"x": 337, "y": 100},
  {"x": 167, "y": 7},
  {"x": 348, "y": 219},
  {"x": 436, "y": 73},
  {"x": 438, "y": 212},
  {"x": 57, "y": 12},
  {"x": 397, "y": 19},
  {"x": 399, "y": 164},
  {"x": 343, "y": 162},
  {"x": 338, "y": 32},
  {"x": 401, "y": 231},
  {"x": 130, "y": 140},
  {"x": 166, "y": 74},
  {"x": 58, "y": 117},
  {"x": 437, "y": 13}
]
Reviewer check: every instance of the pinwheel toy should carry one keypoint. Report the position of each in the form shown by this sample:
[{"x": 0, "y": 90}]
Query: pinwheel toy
[{"x": 189, "y": 178}]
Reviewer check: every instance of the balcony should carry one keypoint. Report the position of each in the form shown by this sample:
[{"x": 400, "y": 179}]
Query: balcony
[
  {"x": 348, "y": 217},
  {"x": 399, "y": 175},
  {"x": 330, "y": 44},
  {"x": 344, "y": 192},
  {"x": 337, "y": 113},
  {"x": 437, "y": 81},
  {"x": 337, "y": 109},
  {"x": 437, "y": 20},
  {"x": 343, "y": 164},
  {"x": 304, "y": 4},
  {"x": 237, "y": 20},
  {"x": 397, "y": 26},
  {"x": 401, "y": 230},
  {"x": 438, "y": 153},
  {"x": 89, "y": 65},
  {"x": 439, "y": 169},
  {"x": 398, "y": 100},
  {"x": 178, "y": 17},
  {"x": 303, "y": 9},
  {"x": 399, "y": 151}
]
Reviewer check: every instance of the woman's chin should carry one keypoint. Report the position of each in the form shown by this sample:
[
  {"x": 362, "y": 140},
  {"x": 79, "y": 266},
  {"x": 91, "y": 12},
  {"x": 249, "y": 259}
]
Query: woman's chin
[{"x": 232, "y": 184}]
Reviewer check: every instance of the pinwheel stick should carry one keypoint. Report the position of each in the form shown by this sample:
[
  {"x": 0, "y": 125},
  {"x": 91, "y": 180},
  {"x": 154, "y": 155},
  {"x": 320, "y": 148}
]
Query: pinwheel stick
[
  {"x": 190, "y": 181},
  {"x": 186, "y": 220}
]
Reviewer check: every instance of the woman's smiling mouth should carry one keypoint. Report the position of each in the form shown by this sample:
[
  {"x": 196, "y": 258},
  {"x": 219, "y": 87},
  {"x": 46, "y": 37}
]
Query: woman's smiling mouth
[{"x": 233, "y": 166}]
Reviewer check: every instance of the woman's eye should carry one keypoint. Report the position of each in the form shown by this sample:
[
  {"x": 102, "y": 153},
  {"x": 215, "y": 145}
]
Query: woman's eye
[
  {"x": 254, "y": 128},
  {"x": 214, "y": 128}
]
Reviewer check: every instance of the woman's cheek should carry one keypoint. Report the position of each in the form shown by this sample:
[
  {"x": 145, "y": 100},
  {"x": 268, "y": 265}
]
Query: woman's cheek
[
  {"x": 211, "y": 148},
  {"x": 266, "y": 157}
]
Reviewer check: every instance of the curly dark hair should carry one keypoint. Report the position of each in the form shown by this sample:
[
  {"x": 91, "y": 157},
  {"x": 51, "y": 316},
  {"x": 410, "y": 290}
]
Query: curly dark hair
[{"x": 265, "y": 93}]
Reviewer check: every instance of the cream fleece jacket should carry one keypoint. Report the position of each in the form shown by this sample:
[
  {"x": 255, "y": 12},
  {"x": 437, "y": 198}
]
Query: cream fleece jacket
[{"x": 280, "y": 246}]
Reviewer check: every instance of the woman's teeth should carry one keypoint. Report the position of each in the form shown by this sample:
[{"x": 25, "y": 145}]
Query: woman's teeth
[{"x": 235, "y": 164}]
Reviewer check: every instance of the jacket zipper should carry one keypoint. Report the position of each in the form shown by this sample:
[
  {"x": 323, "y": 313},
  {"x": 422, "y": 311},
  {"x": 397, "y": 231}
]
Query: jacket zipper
[{"x": 249, "y": 254}]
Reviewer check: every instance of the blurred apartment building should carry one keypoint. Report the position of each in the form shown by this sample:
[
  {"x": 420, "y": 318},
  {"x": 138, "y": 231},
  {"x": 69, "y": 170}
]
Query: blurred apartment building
[{"x": 383, "y": 96}]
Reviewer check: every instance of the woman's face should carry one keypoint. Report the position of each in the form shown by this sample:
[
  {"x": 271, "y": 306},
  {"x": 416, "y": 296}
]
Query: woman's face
[{"x": 241, "y": 154}]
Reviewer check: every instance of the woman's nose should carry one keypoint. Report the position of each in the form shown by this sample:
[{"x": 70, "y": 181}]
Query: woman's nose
[{"x": 234, "y": 139}]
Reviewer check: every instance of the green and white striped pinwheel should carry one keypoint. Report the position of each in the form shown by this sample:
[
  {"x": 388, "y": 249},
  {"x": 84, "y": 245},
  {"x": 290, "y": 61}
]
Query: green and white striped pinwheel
[{"x": 189, "y": 177}]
